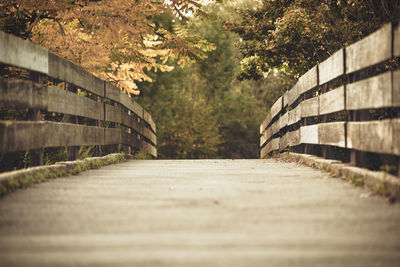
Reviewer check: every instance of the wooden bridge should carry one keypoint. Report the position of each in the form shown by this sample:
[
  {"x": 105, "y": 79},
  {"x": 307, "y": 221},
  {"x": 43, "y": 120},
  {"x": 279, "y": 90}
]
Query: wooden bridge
[{"x": 265, "y": 212}]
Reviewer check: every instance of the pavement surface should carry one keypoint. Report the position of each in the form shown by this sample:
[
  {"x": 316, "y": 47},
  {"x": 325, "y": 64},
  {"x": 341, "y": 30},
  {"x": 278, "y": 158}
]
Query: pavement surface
[{"x": 198, "y": 213}]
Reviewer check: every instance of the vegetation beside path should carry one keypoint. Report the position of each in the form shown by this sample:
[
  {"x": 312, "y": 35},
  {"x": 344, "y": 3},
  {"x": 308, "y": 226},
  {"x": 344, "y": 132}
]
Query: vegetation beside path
[{"x": 10, "y": 181}]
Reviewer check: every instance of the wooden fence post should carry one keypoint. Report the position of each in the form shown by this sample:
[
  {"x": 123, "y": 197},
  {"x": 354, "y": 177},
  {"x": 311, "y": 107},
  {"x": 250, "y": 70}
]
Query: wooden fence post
[
  {"x": 140, "y": 136},
  {"x": 398, "y": 157},
  {"x": 358, "y": 158},
  {"x": 129, "y": 150},
  {"x": 142, "y": 131},
  {"x": 36, "y": 155},
  {"x": 72, "y": 151},
  {"x": 326, "y": 150},
  {"x": 98, "y": 124},
  {"x": 117, "y": 147}
]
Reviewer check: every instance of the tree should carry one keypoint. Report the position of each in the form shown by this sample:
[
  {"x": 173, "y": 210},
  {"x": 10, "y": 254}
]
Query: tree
[
  {"x": 201, "y": 110},
  {"x": 186, "y": 125},
  {"x": 293, "y": 36},
  {"x": 114, "y": 39}
]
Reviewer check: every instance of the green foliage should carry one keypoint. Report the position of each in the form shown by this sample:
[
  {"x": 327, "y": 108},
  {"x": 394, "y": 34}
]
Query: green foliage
[
  {"x": 53, "y": 155},
  {"x": 357, "y": 181},
  {"x": 293, "y": 36},
  {"x": 186, "y": 127},
  {"x": 142, "y": 155},
  {"x": 86, "y": 152},
  {"x": 202, "y": 110},
  {"x": 391, "y": 169}
]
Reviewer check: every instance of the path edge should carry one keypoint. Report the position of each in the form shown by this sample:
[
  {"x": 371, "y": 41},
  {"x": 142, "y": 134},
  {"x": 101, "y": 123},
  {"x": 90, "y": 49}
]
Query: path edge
[
  {"x": 13, "y": 180},
  {"x": 379, "y": 182}
]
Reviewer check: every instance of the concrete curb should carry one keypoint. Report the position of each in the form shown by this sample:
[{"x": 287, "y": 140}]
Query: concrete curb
[
  {"x": 10, "y": 181},
  {"x": 378, "y": 181}
]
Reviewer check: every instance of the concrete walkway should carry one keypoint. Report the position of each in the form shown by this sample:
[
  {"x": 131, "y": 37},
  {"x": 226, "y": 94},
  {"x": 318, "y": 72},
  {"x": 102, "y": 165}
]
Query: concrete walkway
[{"x": 198, "y": 213}]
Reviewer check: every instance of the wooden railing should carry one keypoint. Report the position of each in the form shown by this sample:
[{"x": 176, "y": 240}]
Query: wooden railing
[
  {"x": 346, "y": 107},
  {"x": 95, "y": 111}
]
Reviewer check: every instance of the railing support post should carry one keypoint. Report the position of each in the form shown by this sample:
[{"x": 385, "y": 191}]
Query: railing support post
[
  {"x": 358, "y": 158},
  {"x": 398, "y": 166},
  {"x": 98, "y": 124},
  {"x": 129, "y": 130},
  {"x": 72, "y": 151},
  {"x": 116, "y": 147},
  {"x": 398, "y": 158},
  {"x": 36, "y": 155}
]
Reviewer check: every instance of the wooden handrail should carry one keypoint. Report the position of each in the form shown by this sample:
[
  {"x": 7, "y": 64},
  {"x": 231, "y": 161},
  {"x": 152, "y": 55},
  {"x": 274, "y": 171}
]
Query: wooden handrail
[
  {"x": 329, "y": 105},
  {"x": 134, "y": 126}
]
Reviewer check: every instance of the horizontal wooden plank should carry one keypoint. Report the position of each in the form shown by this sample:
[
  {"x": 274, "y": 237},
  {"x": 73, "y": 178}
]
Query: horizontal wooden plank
[
  {"x": 131, "y": 140},
  {"x": 25, "y": 135},
  {"x": 276, "y": 107},
  {"x": 396, "y": 41},
  {"x": 112, "y": 136},
  {"x": 268, "y": 133},
  {"x": 131, "y": 104},
  {"x": 150, "y": 121},
  {"x": 149, "y": 135},
  {"x": 375, "y": 92},
  {"x": 332, "y": 101},
  {"x": 396, "y": 136},
  {"x": 292, "y": 95},
  {"x": 131, "y": 122},
  {"x": 20, "y": 53},
  {"x": 294, "y": 115},
  {"x": 72, "y": 73},
  {"x": 149, "y": 149},
  {"x": 152, "y": 124},
  {"x": 265, "y": 123},
  {"x": 332, "y": 133},
  {"x": 23, "y": 94},
  {"x": 375, "y": 48},
  {"x": 290, "y": 139},
  {"x": 374, "y": 136},
  {"x": 396, "y": 88},
  {"x": 284, "y": 142},
  {"x": 285, "y": 99},
  {"x": 275, "y": 127},
  {"x": 65, "y": 102},
  {"x": 309, "y": 80},
  {"x": 113, "y": 92},
  {"x": 310, "y": 107},
  {"x": 263, "y": 153},
  {"x": 332, "y": 67},
  {"x": 118, "y": 115},
  {"x": 263, "y": 139},
  {"x": 85, "y": 135},
  {"x": 283, "y": 120},
  {"x": 114, "y": 114},
  {"x": 272, "y": 145},
  {"x": 294, "y": 138},
  {"x": 309, "y": 134},
  {"x": 27, "y": 94}
]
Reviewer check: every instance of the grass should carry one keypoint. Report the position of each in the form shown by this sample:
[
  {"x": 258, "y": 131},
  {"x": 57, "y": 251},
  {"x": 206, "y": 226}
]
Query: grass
[
  {"x": 61, "y": 170},
  {"x": 382, "y": 188},
  {"x": 142, "y": 155}
]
